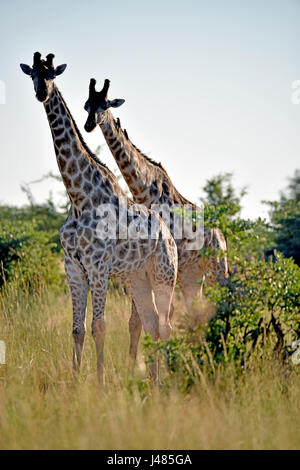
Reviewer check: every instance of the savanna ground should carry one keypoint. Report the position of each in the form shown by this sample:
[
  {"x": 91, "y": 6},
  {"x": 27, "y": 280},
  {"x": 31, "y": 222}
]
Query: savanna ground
[
  {"x": 230, "y": 385},
  {"x": 42, "y": 406}
]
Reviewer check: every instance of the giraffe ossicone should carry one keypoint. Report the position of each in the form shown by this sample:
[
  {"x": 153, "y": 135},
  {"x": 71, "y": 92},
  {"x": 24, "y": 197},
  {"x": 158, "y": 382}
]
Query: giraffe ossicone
[{"x": 148, "y": 266}]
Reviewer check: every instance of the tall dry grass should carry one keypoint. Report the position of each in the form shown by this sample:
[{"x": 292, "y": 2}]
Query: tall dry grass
[{"x": 42, "y": 406}]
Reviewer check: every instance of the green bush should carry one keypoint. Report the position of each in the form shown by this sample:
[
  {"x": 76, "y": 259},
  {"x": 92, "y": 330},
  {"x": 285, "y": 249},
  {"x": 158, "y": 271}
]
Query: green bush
[
  {"x": 257, "y": 309},
  {"x": 259, "y": 305},
  {"x": 257, "y": 313},
  {"x": 30, "y": 248}
]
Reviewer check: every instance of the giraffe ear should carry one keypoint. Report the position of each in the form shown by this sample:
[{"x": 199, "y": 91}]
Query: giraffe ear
[
  {"x": 115, "y": 103},
  {"x": 60, "y": 69},
  {"x": 26, "y": 69}
]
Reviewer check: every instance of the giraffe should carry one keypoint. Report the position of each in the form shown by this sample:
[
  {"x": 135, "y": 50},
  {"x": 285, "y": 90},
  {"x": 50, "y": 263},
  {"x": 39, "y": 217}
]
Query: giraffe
[
  {"x": 147, "y": 264},
  {"x": 151, "y": 185}
]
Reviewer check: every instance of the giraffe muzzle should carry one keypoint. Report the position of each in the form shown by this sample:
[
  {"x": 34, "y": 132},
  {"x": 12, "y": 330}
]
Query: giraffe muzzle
[
  {"x": 42, "y": 97},
  {"x": 89, "y": 126}
]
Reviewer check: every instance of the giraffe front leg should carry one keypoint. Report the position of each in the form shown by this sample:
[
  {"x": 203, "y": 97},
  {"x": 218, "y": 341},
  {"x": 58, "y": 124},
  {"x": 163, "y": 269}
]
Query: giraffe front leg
[
  {"x": 78, "y": 284},
  {"x": 99, "y": 283},
  {"x": 135, "y": 328}
]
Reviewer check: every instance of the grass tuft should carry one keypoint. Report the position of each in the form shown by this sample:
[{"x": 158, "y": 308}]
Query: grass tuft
[{"x": 42, "y": 405}]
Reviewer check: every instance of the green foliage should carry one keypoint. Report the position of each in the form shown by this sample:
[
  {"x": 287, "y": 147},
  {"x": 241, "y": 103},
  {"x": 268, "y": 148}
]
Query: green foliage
[
  {"x": 285, "y": 220},
  {"x": 257, "y": 313},
  {"x": 293, "y": 188},
  {"x": 30, "y": 247},
  {"x": 287, "y": 230},
  {"x": 44, "y": 218},
  {"x": 259, "y": 305},
  {"x": 220, "y": 193},
  {"x": 245, "y": 238},
  {"x": 256, "y": 310},
  {"x": 222, "y": 205}
]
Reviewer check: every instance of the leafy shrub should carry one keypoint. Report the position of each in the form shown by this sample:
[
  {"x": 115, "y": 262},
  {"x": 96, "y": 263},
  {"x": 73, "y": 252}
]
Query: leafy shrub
[
  {"x": 257, "y": 309},
  {"x": 29, "y": 248},
  {"x": 259, "y": 305},
  {"x": 257, "y": 312}
]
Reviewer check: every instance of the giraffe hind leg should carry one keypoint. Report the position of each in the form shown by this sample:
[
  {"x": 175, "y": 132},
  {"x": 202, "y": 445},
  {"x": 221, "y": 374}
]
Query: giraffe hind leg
[
  {"x": 141, "y": 292},
  {"x": 190, "y": 283},
  {"x": 135, "y": 329},
  {"x": 163, "y": 275}
]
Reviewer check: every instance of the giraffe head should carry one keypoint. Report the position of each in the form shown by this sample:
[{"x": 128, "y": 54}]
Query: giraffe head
[
  {"x": 43, "y": 74},
  {"x": 97, "y": 105}
]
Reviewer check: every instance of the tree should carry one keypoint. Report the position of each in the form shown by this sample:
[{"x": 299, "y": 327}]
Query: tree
[
  {"x": 220, "y": 192},
  {"x": 294, "y": 186},
  {"x": 285, "y": 220},
  {"x": 222, "y": 207}
]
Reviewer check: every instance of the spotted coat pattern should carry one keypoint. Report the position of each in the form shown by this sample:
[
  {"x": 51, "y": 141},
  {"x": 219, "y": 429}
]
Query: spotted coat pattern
[
  {"x": 150, "y": 184},
  {"x": 148, "y": 266}
]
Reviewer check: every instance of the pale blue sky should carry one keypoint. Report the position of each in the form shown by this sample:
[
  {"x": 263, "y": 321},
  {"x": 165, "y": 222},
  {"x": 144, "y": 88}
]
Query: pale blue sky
[{"x": 207, "y": 86}]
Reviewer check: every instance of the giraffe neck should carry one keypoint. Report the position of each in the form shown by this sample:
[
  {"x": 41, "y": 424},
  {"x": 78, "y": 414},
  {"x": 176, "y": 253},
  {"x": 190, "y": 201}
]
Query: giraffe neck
[
  {"x": 79, "y": 168},
  {"x": 147, "y": 180}
]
